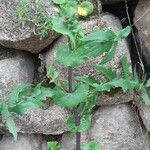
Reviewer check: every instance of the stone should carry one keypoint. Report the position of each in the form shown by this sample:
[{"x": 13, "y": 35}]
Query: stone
[
  {"x": 14, "y": 35},
  {"x": 145, "y": 114},
  {"x": 68, "y": 140},
  {"x": 50, "y": 121},
  {"x": 114, "y": 97},
  {"x": 15, "y": 68},
  {"x": 142, "y": 22},
  {"x": 24, "y": 142},
  {"x": 117, "y": 127},
  {"x": 109, "y": 21},
  {"x": 114, "y": 127}
]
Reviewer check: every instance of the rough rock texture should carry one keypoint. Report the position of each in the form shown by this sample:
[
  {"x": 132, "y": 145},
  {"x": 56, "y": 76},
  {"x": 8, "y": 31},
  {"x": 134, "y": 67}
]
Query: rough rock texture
[
  {"x": 142, "y": 22},
  {"x": 116, "y": 128},
  {"x": 68, "y": 140},
  {"x": 86, "y": 69},
  {"x": 145, "y": 115},
  {"x": 15, "y": 68},
  {"x": 24, "y": 142},
  {"x": 14, "y": 35},
  {"x": 50, "y": 121},
  {"x": 115, "y": 97}
]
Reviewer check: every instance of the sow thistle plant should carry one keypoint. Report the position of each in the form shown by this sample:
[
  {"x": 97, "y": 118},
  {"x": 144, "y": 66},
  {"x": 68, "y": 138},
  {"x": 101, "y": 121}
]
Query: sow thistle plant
[{"x": 80, "y": 93}]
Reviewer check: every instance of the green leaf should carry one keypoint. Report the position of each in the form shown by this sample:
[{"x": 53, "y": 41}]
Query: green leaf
[
  {"x": 93, "y": 145},
  {"x": 88, "y": 6},
  {"x": 71, "y": 124},
  {"x": 92, "y": 49},
  {"x": 90, "y": 103},
  {"x": 126, "y": 85},
  {"x": 100, "y": 36},
  {"x": 147, "y": 83},
  {"x": 85, "y": 124},
  {"x": 23, "y": 107},
  {"x": 9, "y": 120},
  {"x": 84, "y": 51},
  {"x": 88, "y": 80},
  {"x": 110, "y": 55},
  {"x": 41, "y": 93},
  {"x": 54, "y": 145},
  {"x": 59, "y": 1},
  {"x": 107, "y": 72},
  {"x": 53, "y": 74},
  {"x": 68, "y": 58},
  {"x": 60, "y": 26},
  {"x": 15, "y": 94},
  {"x": 70, "y": 100},
  {"x": 145, "y": 96},
  {"x": 126, "y": 67},
  {"x": 124, "y": 33}
]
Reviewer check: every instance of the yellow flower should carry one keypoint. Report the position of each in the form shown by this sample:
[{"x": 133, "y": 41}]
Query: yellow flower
[
  {"x": 82, "y": 12},
  {"x": 56, "y": 9}
]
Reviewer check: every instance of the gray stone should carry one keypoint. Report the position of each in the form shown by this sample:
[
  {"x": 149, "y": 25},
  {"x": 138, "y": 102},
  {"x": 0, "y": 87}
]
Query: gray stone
[
  {"x": 115, "y": 128},
  {"x": 49, "y": 121},
  {"x": 15, "y": 68},
  {"x": 24, "y": 142},
  {"x": 142, "y": 22},
  {"x": 14, "y": 35},
  {"x": 108, "y": 21},
  {"x": 68, "y": 140},
  {"x": 114, "y": 97},
  {"x": 145, "y": 115}
]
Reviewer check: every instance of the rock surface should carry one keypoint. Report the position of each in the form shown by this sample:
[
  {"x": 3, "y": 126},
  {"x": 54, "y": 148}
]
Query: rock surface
[
  {"x": 15, "y": 68},
  {"x": 24, "y": 142},
  {"x": 115, "y": 128},
  {"x": 14, "y": 35},
  {"x": 145, "y": 115},
  {"x": 86, "y": 69},
  {"x": 68, "y": 140},
  {"x": 50, "y": 121},
  {"x": 142, "y": 22}
]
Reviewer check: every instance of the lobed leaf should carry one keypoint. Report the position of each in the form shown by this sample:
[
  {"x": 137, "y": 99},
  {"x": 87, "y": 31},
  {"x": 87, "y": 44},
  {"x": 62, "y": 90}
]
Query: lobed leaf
[
  {"x": 93, "y": 145},
  {"x": 124, "y": 33},
  {"x": 85, "y": 124},
  {"x": 110, "y": 55},
  {"x": 126, "y": 67},
  {"x": 9, "y": 120},
  {"x": 100, "y": 36},
  {"x": 70, "y": 100},
  {"x": 54, "y": 145},
  {"x": 107, "y": 72}
]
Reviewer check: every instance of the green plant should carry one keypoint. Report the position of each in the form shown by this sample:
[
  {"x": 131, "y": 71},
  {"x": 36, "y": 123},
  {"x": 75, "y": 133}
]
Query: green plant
[
  {"x": 35, "y": 14},
  {"x": 79, "y": 95}
]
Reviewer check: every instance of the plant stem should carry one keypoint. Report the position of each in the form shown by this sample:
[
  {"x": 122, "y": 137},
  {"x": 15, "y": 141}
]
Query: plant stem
[
  {"x": 70, "y": 75},
  {"x": 75, "y": 111},
  {"x": 78, "y": 134}
]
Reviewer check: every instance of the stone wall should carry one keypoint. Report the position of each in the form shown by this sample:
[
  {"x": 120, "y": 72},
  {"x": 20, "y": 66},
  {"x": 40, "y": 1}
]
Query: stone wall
[{"x": 115, "y": 124}]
